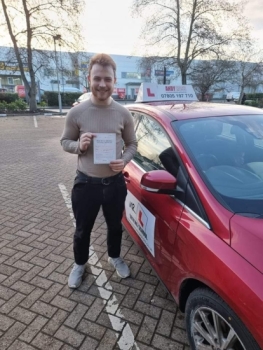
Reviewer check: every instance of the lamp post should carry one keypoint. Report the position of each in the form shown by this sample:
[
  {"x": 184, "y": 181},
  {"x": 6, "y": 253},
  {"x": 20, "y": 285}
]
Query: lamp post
[
  {"x": 57, "y": 37},
  {"x": 164, "y": 75},
  {"x": 61, "y": 65}
]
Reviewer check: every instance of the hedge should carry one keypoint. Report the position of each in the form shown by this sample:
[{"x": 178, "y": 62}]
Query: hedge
[
  {"x": 8, "y": 97},
  {"x": 15, "y": 106},
  {"x": 67, "y": 98},
  {"x": 254, "y": 96},
  {"x": 255, "y": 100}
]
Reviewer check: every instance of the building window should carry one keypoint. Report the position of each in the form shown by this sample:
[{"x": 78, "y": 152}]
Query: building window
[
  {"x": 10, "y": 81},
  {"x": 130, "y": 75}
]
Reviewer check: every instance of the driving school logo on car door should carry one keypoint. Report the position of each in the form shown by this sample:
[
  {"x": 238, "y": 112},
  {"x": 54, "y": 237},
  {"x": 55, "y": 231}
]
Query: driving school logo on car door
[{"x": 141, "y": 220}]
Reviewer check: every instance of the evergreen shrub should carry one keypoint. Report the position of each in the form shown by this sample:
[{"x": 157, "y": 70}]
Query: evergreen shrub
[
  {"x": 67, "y": 98},
  {"x": 8, "y": 97}
]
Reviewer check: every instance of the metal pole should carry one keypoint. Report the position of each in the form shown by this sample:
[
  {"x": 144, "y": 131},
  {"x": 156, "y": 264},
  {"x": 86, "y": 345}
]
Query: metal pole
[
  {"x": 164, "y": 75},
  {"x": 56, "y": 59},
  {"x": 61, "y": 64}
]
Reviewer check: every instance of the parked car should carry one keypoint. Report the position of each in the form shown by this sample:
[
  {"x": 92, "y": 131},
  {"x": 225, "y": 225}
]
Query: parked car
[
  {"x": 70, "y": 89},
  {"x": 195, "y": 208},
  {"x": 233, "y": 96},
  {"x": 82, "y": 98}
]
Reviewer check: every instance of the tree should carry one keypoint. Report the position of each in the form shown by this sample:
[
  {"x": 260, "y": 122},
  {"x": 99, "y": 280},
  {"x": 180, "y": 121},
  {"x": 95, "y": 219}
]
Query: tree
[
  {"x": 206, "y": 75},
  {"x": 34, "y": 24},
  {"x": 148, "y": 64},
  {"x": 80, "y": 61},
  {"x": 249, "y": 66},
  {"x": 184, "y": 30}
]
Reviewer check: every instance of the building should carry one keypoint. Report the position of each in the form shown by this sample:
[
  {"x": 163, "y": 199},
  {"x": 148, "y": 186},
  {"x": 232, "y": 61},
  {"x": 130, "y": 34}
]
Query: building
[{"x": 70, "y": 71}]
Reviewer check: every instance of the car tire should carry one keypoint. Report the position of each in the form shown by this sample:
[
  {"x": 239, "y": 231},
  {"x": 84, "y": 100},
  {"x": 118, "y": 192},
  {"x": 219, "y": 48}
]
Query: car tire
[
  {"x": 228, "y": 100},
  {"x": 203, "y": 309}
]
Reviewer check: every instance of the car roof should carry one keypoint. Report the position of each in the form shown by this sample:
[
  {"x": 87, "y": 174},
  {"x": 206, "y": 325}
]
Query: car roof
[{"x": 189, "y": 110}]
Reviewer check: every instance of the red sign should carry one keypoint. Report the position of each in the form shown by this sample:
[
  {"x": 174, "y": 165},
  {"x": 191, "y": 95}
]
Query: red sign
[
  {"x": 121, "y": 92},
  {"x": 20, "y": 90},
  {"x": 149, "y": 93}
]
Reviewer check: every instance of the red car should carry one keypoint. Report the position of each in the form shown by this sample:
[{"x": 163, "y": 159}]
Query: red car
[{"x": 195, "y": 208}]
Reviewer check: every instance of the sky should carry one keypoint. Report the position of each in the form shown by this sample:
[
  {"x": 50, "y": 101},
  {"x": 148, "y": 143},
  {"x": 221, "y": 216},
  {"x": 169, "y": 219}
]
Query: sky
[{"x": 110, "y": 27}]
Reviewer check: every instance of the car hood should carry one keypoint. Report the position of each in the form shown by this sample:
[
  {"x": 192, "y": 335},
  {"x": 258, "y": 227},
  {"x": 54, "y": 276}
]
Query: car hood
[{"x": 247, "y": 239}]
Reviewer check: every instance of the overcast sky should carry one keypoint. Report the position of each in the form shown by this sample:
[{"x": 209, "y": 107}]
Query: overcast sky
[
  {"x": 109, "y": 26},
  {"x": 254, "y": 11}
]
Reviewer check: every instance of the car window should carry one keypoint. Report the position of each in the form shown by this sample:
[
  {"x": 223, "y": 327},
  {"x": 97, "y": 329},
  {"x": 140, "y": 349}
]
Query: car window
[
  {"x": 136, "y": 119},
  {"x": 154, "y": 149},
  {"x": 155, "y": 152},
  {"x": 228, "y": 153}
]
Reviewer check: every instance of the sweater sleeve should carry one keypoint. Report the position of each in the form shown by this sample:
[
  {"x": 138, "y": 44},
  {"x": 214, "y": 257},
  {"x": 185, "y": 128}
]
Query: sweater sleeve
[
  {"x": 129, "y": 138},
  {"x": 70, "y": 136}
]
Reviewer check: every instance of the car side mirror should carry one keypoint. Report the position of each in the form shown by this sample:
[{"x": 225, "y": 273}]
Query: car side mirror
[{"x": 159, "y": 181}]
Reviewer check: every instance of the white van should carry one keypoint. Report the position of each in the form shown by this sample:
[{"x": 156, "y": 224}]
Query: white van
[
  {"x": 82, "y": 98},
  {"x": 70, "y": 89}
]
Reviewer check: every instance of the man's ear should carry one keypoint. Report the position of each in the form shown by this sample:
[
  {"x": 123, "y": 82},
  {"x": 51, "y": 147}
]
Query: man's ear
[{"x": 115, "y": 80}]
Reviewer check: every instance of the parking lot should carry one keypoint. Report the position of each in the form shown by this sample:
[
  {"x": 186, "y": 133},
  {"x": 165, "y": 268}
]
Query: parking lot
[{"x": 37, "y": 309}]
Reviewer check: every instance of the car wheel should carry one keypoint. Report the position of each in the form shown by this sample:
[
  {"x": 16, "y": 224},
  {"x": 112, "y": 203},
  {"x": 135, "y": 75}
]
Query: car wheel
[
  {"x": 228, "y": 100},
  {"x": 212, "y": 325}
]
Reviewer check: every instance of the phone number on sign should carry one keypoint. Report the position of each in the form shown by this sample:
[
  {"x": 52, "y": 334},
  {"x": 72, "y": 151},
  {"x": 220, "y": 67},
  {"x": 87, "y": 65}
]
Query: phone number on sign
[{"x": 177, "y": 96}]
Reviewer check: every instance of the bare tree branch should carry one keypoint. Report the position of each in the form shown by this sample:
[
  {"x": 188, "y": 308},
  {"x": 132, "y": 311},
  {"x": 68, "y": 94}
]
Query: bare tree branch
[
  {"x": 249, "y": 66},
  {"x": 209, "y": 75},
  {"x": 32, "y": 24},
  {"x": 188, "y": 29}
]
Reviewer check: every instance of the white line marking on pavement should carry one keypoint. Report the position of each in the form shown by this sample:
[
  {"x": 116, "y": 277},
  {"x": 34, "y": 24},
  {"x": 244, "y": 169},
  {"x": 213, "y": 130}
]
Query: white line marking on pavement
[
  {"x": 117, "y": 319},
  {"x": 35, "y": 121}
]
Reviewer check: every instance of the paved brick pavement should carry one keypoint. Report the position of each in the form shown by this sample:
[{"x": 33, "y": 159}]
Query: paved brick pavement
[{"x": 37, "y": 309}]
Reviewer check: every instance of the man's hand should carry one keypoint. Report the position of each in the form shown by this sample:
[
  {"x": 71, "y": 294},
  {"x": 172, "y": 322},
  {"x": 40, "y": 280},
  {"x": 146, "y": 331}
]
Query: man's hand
[
  {"x": 85, "y": 140},
  {"x": 117, "y": 165}
]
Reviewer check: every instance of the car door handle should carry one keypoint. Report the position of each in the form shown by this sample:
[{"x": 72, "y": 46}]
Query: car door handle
[{"x": 126, "y": 176}]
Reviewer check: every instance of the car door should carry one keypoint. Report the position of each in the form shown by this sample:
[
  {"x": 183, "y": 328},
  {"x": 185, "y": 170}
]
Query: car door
[{"x": 152, "y": 219}]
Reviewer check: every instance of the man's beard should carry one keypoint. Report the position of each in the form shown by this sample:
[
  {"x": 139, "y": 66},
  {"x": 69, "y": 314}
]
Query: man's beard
[{"x": 102, "y": 94}]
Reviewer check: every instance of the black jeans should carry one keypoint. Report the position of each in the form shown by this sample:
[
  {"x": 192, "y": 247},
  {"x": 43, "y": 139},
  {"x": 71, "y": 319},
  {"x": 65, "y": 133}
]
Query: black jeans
[{"x": 88, "y": 195}]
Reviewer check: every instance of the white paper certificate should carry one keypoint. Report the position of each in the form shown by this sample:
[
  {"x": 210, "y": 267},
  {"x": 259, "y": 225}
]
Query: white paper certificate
[{"x": 104, "y": 146}]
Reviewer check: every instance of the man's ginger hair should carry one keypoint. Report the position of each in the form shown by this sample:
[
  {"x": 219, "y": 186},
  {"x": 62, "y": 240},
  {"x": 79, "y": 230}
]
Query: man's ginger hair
[{"x": 104, "y": 60}]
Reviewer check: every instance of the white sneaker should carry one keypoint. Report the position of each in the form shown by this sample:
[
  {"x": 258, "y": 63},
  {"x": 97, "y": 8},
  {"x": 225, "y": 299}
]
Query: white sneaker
[
  {"x": 75, "y": 277},
  {"x": 121, "y": 267}
]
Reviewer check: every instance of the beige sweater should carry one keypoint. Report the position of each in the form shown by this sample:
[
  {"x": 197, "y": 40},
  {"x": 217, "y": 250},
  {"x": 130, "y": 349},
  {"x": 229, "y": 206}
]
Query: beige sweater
[{"x": 87, "y": 117}]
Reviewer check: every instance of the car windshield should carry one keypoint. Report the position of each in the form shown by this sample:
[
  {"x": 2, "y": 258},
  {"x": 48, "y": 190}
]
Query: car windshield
[{"x": 228, "y": 153}]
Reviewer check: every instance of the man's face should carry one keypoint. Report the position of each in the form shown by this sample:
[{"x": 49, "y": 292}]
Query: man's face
[{"x": 102, "y": 82}]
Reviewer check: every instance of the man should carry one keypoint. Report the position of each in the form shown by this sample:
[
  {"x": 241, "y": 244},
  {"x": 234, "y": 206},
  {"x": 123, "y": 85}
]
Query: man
[
  {"x": 244, "y": 97},
  {"x": 90, "y": 126}
]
